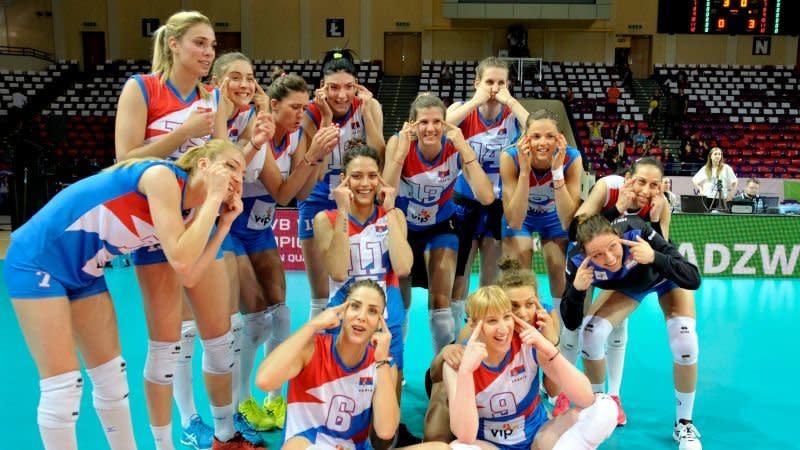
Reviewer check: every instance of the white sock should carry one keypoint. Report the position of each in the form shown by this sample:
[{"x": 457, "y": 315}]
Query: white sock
[
  {"x": 317, "y": 306},
  {"x": 281, "y": 329},
  {"x": 598, "y": 388},
  {"x": 237, "y": 327},
  {"x": 684, "y": 405},
  {"x": 257, "y": 328},
  {"x": 182, "y": 389},
  {"x": 223, "y": 422},
  {"x": 441, "y": 323},
  {"x": 163, "y": 437},
  {"x": 110, "y": 400},
  {"x": 615, "y": 356},
  {"x": 458, "y": 307}
]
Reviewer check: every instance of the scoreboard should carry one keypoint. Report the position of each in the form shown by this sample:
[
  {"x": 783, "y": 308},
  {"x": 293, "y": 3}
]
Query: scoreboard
[{"x": 757, "y": 17}]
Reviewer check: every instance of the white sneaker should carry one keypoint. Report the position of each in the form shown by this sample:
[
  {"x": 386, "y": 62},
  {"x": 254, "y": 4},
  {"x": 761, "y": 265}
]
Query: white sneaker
[{"x": 687, "y": 436}]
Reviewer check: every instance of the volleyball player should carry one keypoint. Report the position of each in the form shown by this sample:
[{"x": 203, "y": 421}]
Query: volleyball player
[
  {"x": 350, "y": 106},
  {"x": 424, "y": 170},
  {"x": 490, "y": 121},
  {"x": 54, "y": 273},
  {"x": 161, "y": 115},
  {"x": 629, "y": 260}
]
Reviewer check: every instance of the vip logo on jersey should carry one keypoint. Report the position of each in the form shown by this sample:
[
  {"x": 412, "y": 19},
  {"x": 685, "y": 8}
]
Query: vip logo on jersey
[
  {"x": 504, "y": 432},
  {"x": 365, "y": 381},
  {"x": 600, "y": 275},
  {"x": 266, "y": 218},
  {"x": 422, "y": 216}
]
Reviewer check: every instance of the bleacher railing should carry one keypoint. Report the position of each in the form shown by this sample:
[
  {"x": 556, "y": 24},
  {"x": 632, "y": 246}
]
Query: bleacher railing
[
  {"x": 524, "y": 68},
  {"x": 26, "y": 51}
]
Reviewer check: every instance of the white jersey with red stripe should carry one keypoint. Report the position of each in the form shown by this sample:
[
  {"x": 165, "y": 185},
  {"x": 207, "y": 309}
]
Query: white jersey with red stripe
[
  {"x": 614, "y": 183},
  {"x": 167, "y": 110},
  {"x": 427, "y": 186},
  {"x": 507, "y": 397},
  {"x": 488, "y": 138},
  {"x": 351, "y": 129},
  {"x": 329, "y": 403}
]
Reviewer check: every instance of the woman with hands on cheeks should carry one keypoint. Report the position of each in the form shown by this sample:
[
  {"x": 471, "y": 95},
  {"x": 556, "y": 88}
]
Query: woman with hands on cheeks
[
  {"x": 365, "y": 238},
  {"x": 490, "y": 121},
  {"x": 422, "y": 162},
  {"x": 494, "y": 394},
  {"x": 629, "y": 260},
  {"x": 541, "y": 191},
  {"x": 340, "y": 383},
  {"x": 351, "y": 108}
]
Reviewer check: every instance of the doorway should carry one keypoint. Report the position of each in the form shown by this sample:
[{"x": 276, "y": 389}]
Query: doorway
[
  {"x": 94, "y": 49},
  {"x": 402, "y": 54},
  {"x": 641, "y": 56}
]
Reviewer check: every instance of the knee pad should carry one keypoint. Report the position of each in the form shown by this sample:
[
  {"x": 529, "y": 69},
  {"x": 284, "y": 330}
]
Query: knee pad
[
  {"x": 618, "y": 338},
  {"x": 683, "y": 340},
  {"x": 281, "y": 322},
  {"x": 257, "y": 328},
  {"x": 596, "y": 423},
  {"x": 442, "y": 328},
  {"x": 188, "y": 333},
  {"x": 218, "y": 354},
  {"x": 237, "y": 329},
  {"x": 60, "y": 400},
  {"x": 159, "y": 368},
  {"x": 594, "y": 333},
  {"x": 110, "y": 384},
  {"x": 569, "y": 339}
]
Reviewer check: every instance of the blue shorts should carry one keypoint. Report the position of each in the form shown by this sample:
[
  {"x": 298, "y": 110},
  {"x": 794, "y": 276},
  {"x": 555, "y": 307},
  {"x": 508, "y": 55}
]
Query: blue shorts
[
  {"x": 248, "y": 242},
  {"x": 440, "y": 235},
  {"x": 547, "y": 225},
  {"x": 662, "y": 287},
  {"x": 228, "y": 246},
  {"x": 155, "y": 255},
  {"x": 25, "y": 280},
  {"x": 305, "y": 217}
]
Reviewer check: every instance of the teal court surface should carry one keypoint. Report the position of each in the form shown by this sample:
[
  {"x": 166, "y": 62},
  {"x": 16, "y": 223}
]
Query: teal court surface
[{"x": 746, "y": 398}]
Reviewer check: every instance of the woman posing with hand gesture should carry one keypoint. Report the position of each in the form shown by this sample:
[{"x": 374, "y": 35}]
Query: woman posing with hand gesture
[
  {"x": 629, "y": 260},
  {"x": 339, "y": 382},
  {"x": 494, "y": 393},
  {"x": 365, "y": 238},
  {"x": 344, "y": 103},
  {"x": 423, "y": 162},
  {"x": 490, "y": 122}
]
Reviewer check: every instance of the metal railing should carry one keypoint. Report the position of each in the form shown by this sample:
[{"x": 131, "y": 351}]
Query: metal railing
[{"x": 26, "y": 51}]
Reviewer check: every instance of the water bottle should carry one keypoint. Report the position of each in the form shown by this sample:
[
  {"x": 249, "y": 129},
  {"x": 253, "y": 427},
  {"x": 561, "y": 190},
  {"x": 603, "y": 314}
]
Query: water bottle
[{"x": 760, "y": 206}]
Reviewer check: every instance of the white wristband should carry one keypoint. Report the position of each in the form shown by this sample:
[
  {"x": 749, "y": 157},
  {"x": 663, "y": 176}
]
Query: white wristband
[{"x": 558, "y": 174}]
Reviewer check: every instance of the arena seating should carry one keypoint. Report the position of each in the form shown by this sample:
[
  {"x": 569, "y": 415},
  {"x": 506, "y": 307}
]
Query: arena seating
[{"x": 751, "y": 112}]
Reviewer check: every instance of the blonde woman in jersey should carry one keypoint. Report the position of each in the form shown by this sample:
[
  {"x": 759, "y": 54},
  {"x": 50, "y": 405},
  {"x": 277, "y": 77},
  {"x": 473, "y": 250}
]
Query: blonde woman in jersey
[
  {"x": 490, "y": 122},
  {"x": 161, "y": 115},
  {"x": 345, "y": 103}
]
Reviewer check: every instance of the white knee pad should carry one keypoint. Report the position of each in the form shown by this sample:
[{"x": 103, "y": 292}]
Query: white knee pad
[
  {"x": 159, "y": 368},
  {"x": 218, "y": 354},
  {"x": 596, "y": 423},
  {"x": 60, "y": 400},
  {"x": 237, "y": 329},
  {"x": 619, "y": 336},
  {"x": 683, "y": 340},
  {"x": 594, "y": 333},
  {"x": 257, "y": 328},
  {"x": 188, "y": 333},
  {"x": 569, "y": 339},
  {"x": 281, "y": 322},
  {"x": 110, "y": 384}
]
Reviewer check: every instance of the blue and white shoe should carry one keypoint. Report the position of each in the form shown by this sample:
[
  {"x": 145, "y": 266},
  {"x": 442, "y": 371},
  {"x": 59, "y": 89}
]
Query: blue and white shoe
[
  {"x": 197, "y": 435},
  {"x": 246, "y": 430}
]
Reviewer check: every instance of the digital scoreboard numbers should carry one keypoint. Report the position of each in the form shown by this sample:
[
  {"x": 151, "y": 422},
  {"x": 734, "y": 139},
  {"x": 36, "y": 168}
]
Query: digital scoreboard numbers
[{"x": 757, "y": 17}]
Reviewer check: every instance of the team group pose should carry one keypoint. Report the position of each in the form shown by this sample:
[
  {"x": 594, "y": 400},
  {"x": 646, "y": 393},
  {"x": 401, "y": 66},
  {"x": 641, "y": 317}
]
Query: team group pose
[{"x": 202, "y": 169}]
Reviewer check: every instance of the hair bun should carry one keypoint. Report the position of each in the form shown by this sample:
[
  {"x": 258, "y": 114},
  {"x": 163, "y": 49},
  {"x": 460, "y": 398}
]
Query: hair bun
[{"x": 507, "y": 263}]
